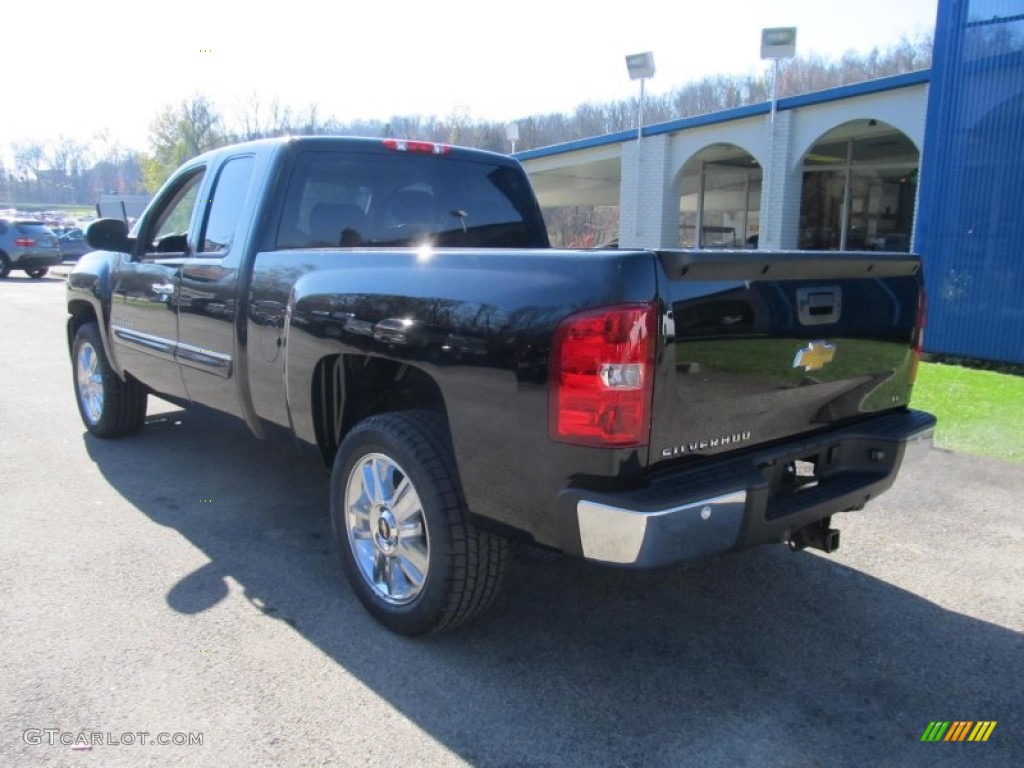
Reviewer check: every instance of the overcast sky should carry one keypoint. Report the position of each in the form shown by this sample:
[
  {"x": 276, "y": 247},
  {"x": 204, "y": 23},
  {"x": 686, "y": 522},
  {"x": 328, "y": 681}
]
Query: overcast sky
[{"x": 80, "y": 67}]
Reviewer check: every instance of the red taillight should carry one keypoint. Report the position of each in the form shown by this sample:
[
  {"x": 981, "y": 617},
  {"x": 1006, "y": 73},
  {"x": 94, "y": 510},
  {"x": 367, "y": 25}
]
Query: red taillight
[
  {"x": 602, "y": 370},
  {"x": 25, "y": 242},
  {"x": 421, "y": 147},
  {"x": 918, "y": 339}
]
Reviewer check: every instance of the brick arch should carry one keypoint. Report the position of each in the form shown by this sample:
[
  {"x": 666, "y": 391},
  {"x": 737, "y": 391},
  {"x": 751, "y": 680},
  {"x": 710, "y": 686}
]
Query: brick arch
[
  {"x": 903, "y": 110},
  {"x": 745, "y": 137},
  {"x": 857, "y": 128}
]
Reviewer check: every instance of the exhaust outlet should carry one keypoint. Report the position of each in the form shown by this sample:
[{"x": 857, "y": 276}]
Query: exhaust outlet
[{"x": 817, "y": 536}]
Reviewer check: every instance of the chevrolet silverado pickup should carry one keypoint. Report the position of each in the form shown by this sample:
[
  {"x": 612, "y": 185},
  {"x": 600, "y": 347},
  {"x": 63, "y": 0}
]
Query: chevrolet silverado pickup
[{"x": 395, "y": 307}]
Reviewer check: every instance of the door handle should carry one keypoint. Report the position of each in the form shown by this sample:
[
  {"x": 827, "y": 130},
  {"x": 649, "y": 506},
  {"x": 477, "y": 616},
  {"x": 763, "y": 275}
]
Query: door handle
[{"x": 819, "y": 306}]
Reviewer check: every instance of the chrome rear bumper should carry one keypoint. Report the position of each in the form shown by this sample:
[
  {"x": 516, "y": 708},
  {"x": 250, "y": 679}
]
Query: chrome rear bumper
[
  {"x": 744, "y": 499},
  {"x": 617, "y": 535}
]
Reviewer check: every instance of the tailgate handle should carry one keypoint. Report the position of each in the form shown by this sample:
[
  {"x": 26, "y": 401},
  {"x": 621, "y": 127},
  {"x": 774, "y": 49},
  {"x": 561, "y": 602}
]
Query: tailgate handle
[{"x": 819, "y": 306}]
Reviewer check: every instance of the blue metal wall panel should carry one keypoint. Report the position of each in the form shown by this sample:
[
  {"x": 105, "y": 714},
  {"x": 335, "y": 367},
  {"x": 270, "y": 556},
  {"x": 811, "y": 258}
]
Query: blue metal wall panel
[{"x": 970, "y": 228}]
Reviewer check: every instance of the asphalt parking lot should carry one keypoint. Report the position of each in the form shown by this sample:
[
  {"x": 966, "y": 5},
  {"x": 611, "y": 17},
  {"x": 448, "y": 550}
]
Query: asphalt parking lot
[{"x": 184, "y": 582}]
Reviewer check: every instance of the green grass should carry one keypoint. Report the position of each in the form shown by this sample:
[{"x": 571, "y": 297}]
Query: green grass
[{"x": 979, "y": 412}]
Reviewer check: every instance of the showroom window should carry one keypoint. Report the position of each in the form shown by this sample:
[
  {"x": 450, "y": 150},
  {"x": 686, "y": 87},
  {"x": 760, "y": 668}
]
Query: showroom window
[
  {"x": 720, "y": 199},
  {"x": 859, "y": 190}
]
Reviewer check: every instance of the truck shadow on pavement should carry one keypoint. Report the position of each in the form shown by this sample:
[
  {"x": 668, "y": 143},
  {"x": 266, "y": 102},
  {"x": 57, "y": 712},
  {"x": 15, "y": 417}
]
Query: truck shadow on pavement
[{"x": 758, "y": 658}]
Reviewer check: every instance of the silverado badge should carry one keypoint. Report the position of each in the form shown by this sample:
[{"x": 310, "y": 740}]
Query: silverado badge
[{"x": 814, "y": 356}]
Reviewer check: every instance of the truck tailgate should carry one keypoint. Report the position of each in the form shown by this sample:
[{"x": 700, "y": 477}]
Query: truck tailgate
[{"x": 760, "y": 346}]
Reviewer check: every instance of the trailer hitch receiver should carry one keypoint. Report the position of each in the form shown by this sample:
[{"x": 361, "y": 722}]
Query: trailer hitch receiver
[{"x": 817, "y": 536}]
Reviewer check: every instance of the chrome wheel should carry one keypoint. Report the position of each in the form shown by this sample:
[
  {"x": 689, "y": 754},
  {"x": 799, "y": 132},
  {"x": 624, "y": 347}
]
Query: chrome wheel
[
  {"x": 109, "y": 406},
  {"x": 90, "y": 383},
  {"x": 386, "y": 528},
  {"x": 413, "y": 559}
]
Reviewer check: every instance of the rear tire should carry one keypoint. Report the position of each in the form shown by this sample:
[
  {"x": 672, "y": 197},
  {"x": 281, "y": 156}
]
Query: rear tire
[
  {"x": 109, "y": 407},
  {"x": 37, "y": 273},
  {"x": 5, "y": 266},
  {"x": 415, "y": 561}
]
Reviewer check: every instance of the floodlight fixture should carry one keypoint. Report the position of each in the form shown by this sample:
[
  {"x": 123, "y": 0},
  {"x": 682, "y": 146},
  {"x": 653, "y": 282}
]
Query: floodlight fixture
[
  {"x": 640, "y": 65},
  {"x": 778, "y": 43},
  {"x": 512, "y": 134}
]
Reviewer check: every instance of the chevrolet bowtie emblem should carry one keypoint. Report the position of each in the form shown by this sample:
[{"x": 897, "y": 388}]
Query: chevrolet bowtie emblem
[{"x": 814, "y": 356}]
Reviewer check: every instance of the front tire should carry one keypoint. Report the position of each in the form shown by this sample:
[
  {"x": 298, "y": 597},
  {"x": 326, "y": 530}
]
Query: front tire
[
  {"x": 37, "y": 273},
  {"x": 109, "y": 407},
  {"x": 415, "y": 561}
]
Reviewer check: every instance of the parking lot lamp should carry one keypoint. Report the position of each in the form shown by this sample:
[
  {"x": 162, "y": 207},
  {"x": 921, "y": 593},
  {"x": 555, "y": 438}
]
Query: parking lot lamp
[
  {"x": 512, "y": 134},
  {"x": 777, "y": 43},
  {"x": 640, "y": 67}
]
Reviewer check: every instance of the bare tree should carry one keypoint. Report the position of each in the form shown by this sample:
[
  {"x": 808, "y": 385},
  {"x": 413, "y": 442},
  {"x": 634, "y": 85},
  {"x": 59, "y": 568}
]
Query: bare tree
[
  {"x": 458, "y": 122},
  {"x": 251, "y": 121},
  {"x": 68, "y": 161}
]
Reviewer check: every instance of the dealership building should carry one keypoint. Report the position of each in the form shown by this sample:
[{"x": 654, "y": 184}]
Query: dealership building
[{"x": 930, "y": 161}]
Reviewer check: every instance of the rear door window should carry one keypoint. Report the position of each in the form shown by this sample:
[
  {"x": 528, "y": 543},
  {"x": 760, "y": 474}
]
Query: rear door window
[{"x": 226, "y": 205}]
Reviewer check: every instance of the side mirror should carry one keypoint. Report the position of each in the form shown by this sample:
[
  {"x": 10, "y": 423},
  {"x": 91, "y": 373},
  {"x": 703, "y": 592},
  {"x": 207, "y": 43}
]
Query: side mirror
[{"x": 108, "y": 235}]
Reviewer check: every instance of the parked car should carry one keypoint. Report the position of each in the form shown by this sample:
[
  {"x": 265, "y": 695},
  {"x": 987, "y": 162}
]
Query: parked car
[
  {"x": 27, "y": 245},
  {"x": 631, "y": 407},
  {"x": 72, "y": 244}
]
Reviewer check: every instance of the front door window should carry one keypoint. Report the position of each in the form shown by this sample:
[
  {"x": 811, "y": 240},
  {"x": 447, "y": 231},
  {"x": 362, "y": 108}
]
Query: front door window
[{"x": 167, "y": 233}]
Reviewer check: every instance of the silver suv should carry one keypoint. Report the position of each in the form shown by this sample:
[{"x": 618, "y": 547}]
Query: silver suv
[{"x": 28, "y": 245}]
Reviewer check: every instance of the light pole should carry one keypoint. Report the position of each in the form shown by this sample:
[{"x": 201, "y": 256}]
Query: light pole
[
  {"x": 640, "y": 67},
  {"x": 512, "y": 134},
  {"x": 777, "y": 43}
]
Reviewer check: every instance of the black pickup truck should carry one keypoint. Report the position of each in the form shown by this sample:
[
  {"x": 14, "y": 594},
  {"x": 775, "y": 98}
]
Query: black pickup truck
[{"x": 395, "y": 306}]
